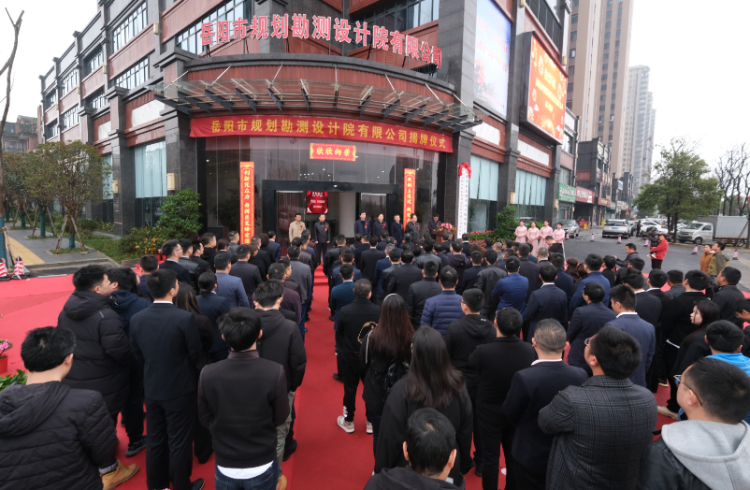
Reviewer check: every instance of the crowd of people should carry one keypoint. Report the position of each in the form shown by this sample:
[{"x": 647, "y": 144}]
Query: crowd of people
[{"x": 458, "y": 345}]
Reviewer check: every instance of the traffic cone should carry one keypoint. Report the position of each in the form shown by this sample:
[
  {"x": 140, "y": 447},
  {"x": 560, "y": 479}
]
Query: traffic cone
[
  {"x": 18, "y": 268},
  {"x": 3, "y": 270},
  {"x": 736, "y": 255},
  {"x": 592, "y": 237},
  {"x": 695, "y": 250},
  {"x": 567, "y": 236},
  {"x": 646, "y": 243},
  {"x": 619, "y": 239}
]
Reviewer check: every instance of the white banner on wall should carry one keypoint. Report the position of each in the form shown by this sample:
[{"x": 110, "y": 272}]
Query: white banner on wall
[{"x": 464, "y": 172}]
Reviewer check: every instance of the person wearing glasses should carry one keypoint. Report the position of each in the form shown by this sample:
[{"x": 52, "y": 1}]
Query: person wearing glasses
[
  {"x": 711, "y": 450},
  {"x": 601, "y": 428},
  {"x": 173, "y": 251},
  {"x": 586, "y": 322}
]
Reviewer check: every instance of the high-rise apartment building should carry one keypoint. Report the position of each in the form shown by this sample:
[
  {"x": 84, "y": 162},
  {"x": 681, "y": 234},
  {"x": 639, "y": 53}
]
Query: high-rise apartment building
[
  {"x": 640, "y": 118},
  {"x": 598, "y": 54}
]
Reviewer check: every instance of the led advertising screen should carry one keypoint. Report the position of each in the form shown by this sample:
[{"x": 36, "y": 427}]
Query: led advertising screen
[
  {"x": 491, "y": 57},
  {"x": 547, "y": 92}
]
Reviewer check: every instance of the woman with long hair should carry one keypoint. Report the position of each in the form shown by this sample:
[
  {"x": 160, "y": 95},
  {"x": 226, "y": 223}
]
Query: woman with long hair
[
  {"x": 213, "y": 306},
  {"x": 185, "y": 300},
  {"x": 534, "y": 235},
  {"x": 581, "y": 271},
  {"x": 572, "y": 269},
  {"x": 385, "y": 354},
  {"x": 432, "y": 382},
  {"x": 694, "y": 347}
]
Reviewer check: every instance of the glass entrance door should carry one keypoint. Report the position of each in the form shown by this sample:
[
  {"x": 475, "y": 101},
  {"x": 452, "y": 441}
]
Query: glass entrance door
[
  {"x": 290, "y": 203},
  {"x": 373, "y": 205}
]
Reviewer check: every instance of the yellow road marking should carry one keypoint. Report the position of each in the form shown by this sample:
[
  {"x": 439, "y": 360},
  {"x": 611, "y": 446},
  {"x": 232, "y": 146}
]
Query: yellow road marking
[{"x": 29, "y": 257}]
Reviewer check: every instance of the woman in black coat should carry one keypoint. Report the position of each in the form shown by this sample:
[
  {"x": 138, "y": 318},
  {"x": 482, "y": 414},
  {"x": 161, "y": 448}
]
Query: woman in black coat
[
  {"x": 387, "y": 344},
  {"x": 432, "y": 382}
]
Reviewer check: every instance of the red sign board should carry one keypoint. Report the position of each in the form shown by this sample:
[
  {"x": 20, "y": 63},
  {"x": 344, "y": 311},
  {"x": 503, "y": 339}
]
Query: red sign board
[
  {"x": 548, "y": 87},
  {"x": 247, "y": 201},
  {"x": 324, "y": 151},
  {"x": 320, "y": 127},
  {"x": 300, "y": 27},
  {"x": 410, "y": 192},
  {"x": 317, "y": 202},
  {"x": 584, "y": 195},
  {"x": 603, "y": 201}
]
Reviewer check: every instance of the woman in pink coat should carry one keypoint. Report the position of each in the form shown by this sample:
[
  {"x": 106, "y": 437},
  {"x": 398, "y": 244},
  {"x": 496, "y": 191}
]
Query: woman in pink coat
[
  {"x": 546, "y": 231},
  {"x": 559, "y": 236},
  {"x": 521, "y": 232},
  {"x": 533, "y": 235}
]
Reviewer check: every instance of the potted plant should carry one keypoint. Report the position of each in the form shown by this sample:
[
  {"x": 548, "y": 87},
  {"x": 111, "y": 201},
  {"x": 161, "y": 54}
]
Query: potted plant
[
  {"x": 19, "y": 377},
  {"x": 4, "y": 346}
]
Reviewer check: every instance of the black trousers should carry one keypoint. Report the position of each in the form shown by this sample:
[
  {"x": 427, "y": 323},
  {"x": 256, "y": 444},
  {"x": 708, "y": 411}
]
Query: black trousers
[
  {"x": 478, "y": 453},
  {"x": 495, "y": 434},
  {"x": 320, "y": 251},
  {"x": 132, "y": 414},
  {"x": 353, "y": 374},
  {"x": 527, "y": 479},
  {"x": 202, "y": 443},
  {"x": 670, "y": 359},
  {"x": 169, "y": 436},
  {"x": 656, "y": 264}
]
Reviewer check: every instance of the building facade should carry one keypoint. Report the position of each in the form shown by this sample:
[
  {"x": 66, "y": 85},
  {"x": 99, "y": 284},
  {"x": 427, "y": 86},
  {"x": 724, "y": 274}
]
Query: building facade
[
  {"x": 20, "y": 136},
  {"x": 598, "y": 60},
  {"x": 640, "y": 120},
  {"x": 594, "y": 182},
  {"x": 272, "y": 108}
]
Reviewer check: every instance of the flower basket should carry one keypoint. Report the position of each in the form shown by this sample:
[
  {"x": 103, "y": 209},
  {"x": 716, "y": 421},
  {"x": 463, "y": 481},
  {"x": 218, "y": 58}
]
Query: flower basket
[
  {"x": 4, "y": 346},
  {"x": 445, "y": 227}
]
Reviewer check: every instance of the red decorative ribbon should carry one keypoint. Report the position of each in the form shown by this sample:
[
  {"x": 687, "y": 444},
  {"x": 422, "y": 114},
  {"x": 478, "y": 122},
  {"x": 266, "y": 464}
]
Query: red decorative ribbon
[{"x": 466, "y": 166}]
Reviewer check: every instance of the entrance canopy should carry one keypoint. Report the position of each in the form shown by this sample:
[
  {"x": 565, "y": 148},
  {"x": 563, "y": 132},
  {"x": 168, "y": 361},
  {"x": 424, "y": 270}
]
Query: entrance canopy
[{"x": 296, "y": 96}]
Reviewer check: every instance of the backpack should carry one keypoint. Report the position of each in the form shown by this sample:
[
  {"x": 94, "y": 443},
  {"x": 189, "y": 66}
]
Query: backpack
[{"x": 395, "y": 371}]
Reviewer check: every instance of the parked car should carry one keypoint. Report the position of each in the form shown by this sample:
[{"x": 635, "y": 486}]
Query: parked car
[
  {"x": 571, "y": 227},
  {"x": 647, "y": 223},
  {"x": 727, "y": 229},
  {"x": 616, "y": 228},
  {"x": 632, "y": 226}
]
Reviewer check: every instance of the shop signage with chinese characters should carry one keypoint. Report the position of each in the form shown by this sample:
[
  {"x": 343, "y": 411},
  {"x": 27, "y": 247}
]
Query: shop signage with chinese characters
[
  {"x": 584, "y": 195},
  {"x": 298, "y": 25},
  {"x": 410, "y": 192},
  {"x": 247, "y": 201},
  {"x": 547, "y": 92},
  {"x": 325, "y": 151},
  {"x": 317, "y": 202},
  {"x": 566, "y": 193},
  {"x": 604, "y": 202},
  {"x": 319, "y": 127}
]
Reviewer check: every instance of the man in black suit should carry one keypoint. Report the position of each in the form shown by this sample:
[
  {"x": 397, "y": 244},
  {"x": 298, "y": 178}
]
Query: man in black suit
[
  {"x": 657, "y": 278},
  {"x": 647, "y": 306},
  {"x": 433, "y": 225},
  {"x": 361, "y": 245},
  {"x": 208, "y": 240},
  {"x": 495, "y": 364},
  {"x": 379, "y": 225},
  {"x": 553, "y": 247},
  {"x": 531, "y": 390},
  {"x": 458, "y": 260},
  {"x": 469, "y": 280},
  {"x": 197, "y": 251},
  {"x": 397, "y": 230},
  {"x": 368, "y": 260},
  {"x": 262, "y": 254},
  {"x": 465, "y": 245},
  {"x": 631, "y": 253},
  {"x": 413, "y": 228},
  {"x": 421, "y": 291},
  {"x": 250, "y": 274},
  {"x": 275, "y": 247},
  {"x": 173, "y": 251},
  {"x": 529, "y": 270},
  {"x": 403, "y": 277},
  {"x": 563, "y": 279},
  {"x": 676, "y": 325},
  {"x": 548, "y": 302},
  {"x": 165, "y": 338},
  {"x": 322, "y": 236},
  {"x": 586, "y": 322},
  {"x": 728, "y": 295}
]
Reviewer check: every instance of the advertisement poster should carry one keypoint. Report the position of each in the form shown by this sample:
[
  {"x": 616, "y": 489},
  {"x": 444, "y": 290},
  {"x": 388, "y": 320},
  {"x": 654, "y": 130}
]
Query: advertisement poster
[
  {"x": 317, "y": 202},
  {"x": 325, "y": 151},
  {"x": 492, "y": 56},
  {"x": 247, "y": 201},
  {"x": 410, "y": 192},
  {"x": 548, "y": 87},
  {"x": 320, "y": 127}
]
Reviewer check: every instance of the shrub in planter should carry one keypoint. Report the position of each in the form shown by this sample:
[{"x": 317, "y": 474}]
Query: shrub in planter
[
  {"x": 180, "y": 214},
  {"x": 146, "y": 240}
]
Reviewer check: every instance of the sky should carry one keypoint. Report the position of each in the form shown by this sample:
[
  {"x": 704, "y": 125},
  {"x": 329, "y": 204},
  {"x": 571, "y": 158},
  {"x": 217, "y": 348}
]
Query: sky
[{"x": 694, "y": 52}]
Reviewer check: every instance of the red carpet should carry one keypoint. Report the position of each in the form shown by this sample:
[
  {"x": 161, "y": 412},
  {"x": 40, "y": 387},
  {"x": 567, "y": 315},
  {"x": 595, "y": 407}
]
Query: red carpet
[{"x": 327, "y": 457}]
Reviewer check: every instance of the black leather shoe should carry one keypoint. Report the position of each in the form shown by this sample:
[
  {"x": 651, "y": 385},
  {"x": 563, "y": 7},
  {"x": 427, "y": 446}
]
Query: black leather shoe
[
  {"x": 338, "y": 378},
  {"x": 198, "y": 484},
  {"x": 478, "y": 471},
  {"x": 332, "y": 318}
]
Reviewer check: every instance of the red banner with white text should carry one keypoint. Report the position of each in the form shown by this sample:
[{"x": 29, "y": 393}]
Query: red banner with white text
[
  {"x": 247, "y": 201},
  {"x": 320, "y": 127},
  {"x": 410, "y": 193}
]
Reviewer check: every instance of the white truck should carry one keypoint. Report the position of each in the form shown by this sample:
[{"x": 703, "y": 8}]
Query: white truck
[{"x": 707, "y": 229}]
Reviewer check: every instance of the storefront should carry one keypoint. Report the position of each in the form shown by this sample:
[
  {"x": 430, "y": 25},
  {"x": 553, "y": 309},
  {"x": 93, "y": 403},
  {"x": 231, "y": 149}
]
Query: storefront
[
  {"x": 585, "y": 208},
  {"x": 566, "y": 198}
]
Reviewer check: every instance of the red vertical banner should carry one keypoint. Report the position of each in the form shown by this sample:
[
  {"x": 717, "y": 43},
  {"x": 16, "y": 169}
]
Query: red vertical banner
[
  {"x": 410, "y": 193},
  {"x": 247, "y": 201}
]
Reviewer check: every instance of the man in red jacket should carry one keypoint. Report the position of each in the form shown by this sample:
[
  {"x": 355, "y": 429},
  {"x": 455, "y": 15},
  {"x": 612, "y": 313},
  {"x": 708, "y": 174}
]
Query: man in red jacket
[{"x": 659, "y": 251}]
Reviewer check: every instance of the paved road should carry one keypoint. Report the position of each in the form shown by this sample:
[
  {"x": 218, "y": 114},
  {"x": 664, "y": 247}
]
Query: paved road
[{"x": 678, "y": 257}]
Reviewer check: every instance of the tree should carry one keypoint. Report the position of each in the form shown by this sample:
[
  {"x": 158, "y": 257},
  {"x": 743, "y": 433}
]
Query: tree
[
  {"x": 506, "y": 224},
  {"x": 180, "y": 214},
  {"x": 733, "y": 172},
  {"x": 9, "y": 67},
  {"x": 73, "y": 173},
  {"x": 683, "y": 189}
]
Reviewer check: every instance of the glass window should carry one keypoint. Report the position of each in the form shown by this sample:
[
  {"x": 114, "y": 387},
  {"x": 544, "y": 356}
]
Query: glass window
[
  {"x": 97, "y": 101},
  {"x": 572, "y": 53},
  {"x": 612, "y": 117},
  {"x": 609, "y": 14},
  {"x": 600, "y": 129},
  {"x": 618, "y": 32},
  {"x": 135, "y": 76},
  {"x": 601, "y": 108},
  {"x": 607, "y": 35},
  {"x": 574, "y": 19},
  {"x": 575, "y": 3},
  {"x": 612, "y": 107},
  {"x": 601, "y": 118},
  {"x": 70, "y": 118},
  {"x": 530, "y": 192},
  {"x": 190, "y": 39},
  {"x": 70, "y": 81},
  {"x": 570, "y": 87},
  {"x": 608, "y": 24},
  {"x": 400, "y": 15},
  {"x": 571, "y": 71},
  {"x": 93, "y": 62},
  {"x": 50, "y": 99},
  {"x": 150, "y": 182},
  {"x": 574, "y": 35},
  {"x": 606, "y": 46},
  {"x": 604, "y": 88},
  {"x": 482, "y": 193},
  {"x": 602, "y": 98},
  {"x": 128, "y": 28},
  {"x": 51, "y": 130},
  {"x": 617, "y": 44}
]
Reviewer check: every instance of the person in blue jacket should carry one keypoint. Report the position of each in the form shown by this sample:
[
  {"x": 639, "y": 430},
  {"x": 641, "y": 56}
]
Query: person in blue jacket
[
  {"x": 593, "y": 266},
  {"x": 512, "y": 289},
  {"x": 445, "y": 308}
]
